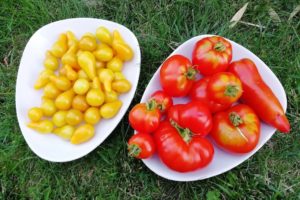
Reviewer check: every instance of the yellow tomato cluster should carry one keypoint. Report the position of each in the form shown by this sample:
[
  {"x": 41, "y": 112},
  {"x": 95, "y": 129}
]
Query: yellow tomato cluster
[{"x": 86, "y": 87}]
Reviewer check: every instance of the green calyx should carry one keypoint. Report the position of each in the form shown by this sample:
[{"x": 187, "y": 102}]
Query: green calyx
[
  {"x": 151, "y": 105},
  {"x": 185, "y": 133},
  {"x": 191, "y": 73},
  {"x": 231, "y": 91},
  {"x": 235, "y": 119},
  {"x": 134, "y": 150},
  {"x": 219, "y": 46}
]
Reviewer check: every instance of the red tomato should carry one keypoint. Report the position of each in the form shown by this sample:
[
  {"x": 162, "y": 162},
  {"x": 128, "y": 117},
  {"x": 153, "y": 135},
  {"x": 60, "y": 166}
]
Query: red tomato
[
  {"x": 224, "y": 88},
  {"x": 144, "y": 117},
  {"x": 194, "y": 116},
  {"x": 259, "y": 96},
  {"x": 162, "y": 100},
  {"x": 236, "y": 130},
  {"x": 177, "y": 76},
  {"x": 179, "y": 150},
  {"x": 141, "y": 145},
  {"x": 212, "y": 55},
  {"x": 199, "y": 93}
]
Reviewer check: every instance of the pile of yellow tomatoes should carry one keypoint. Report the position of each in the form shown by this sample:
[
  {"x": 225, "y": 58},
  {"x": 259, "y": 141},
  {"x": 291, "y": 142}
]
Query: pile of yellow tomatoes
[{"x": 81, "y": 82}]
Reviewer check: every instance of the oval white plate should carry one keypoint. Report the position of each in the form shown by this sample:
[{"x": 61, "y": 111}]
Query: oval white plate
[
  {"x": 222, "y": 161},
  {"x": 49, "y": 146}
]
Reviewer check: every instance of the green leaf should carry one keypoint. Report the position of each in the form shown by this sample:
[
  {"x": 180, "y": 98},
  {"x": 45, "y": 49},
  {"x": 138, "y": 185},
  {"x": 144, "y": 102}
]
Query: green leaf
[{"x": 213, "y": 195}]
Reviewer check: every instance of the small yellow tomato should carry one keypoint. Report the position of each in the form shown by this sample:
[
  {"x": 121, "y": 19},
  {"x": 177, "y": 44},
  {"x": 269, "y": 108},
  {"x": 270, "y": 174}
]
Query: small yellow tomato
[
  {"x": 64, "y": 100},
  {"x": 109, "y": 110},
  {"x": 66, "y": 131},
  {"x": 124, "y": 51},
  {"x": 88, "y": 43},
  {"x": 61, "y": 82},
  {"x": 87, "y": 62},
  {"x": 50, "y": 61},
  {"x": 50, "y": 91},
  {"x": 95, "y": 97},
  {"x": 44, "y": 126},
  {"x": 35, "y": 114},
  {"x": 115, "y": 64},
  {"x": 82, "y": 74},
  {"x": 103, "y": 35},
  {"x": 119, "y": 76},
  {"x": 82, "y": 134},
  {"x": 81, "y": 86},
  {"x": 103, "y": 53},
  {"x": 79, "y": 103},
  {"x": 106, "y": 77},
  {"x": 74, "y": 117},
  {"x": 121, "y": 86},
  {"x": 92, "y": 115},
  {"x": 48, "y": 107},
  {"x": 71, "y": 38},
  {"x": 71, "y": 74},
  {"x": 70, "y": 58},
  {"x": 43, "y": 79},
  {"x": 110, "y": 96},
  {"x": 59, "y": 118},
  {"x": 60, "y": 47},
  {"x": 100, "y": 64}
]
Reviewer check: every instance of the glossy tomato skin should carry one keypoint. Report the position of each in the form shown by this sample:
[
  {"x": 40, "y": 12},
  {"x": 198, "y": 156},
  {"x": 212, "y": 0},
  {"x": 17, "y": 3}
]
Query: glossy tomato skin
[
  {"x": 259, "y": 96},
  {"x": 194, "y": 116},
  {"x": 212, "y": 55},
  {"x": 224, "y": 88},
  {"x": 177, "y": 76},
  {"x": 141, "y": 145},
  {"x": 199, "y": 93},
  {"x": 144, "y": 119},
  {"x": 163, "y": 101},
  {"x": 178, "y": 154},
  {"x": 237, "y": 129}
]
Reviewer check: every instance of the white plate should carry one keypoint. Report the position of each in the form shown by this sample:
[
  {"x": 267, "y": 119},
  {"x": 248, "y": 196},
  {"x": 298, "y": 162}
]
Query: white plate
[
  {"x": 50, "y": 147},
  {"x": 222, "y": 161}
]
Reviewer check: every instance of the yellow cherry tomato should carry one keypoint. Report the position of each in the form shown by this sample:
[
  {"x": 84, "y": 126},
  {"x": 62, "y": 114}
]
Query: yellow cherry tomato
[
  {"x": 121, "y": 86},
  {"x": 71, "y": 38},
  {"x": 109, "y": 110},
  {"x": 35, "y": 114},
  {"x": 44, "y": 126},
  {"x": 43, "y": 79},
  {"x": 115, "y": 64},
  {"x": 51, "y": 91},
  {"x": 60, "y": 47},
  {"x": 48, "y": 107},
  {"x": 117, "y": 37},
  {"x": 124, "y": 51},
  {"x": 82, "y": 74},
  {"x": 103, "y": 35},
  {"x": 66, "y": 131},
  {"x": 87, "y": 62},
  {"x": 82, "y": 134},
  {"x": 106, "y": 77},
  {"x": 59, "y": 118},
  {"x": 70, "y": 73},
  {"x": 119, "y": 76},
  {"x": 74, "y": 117},
  {"x": 103, "y": 53},
  {"x": 92, "y": 115},
  {"x": 79, "y": 103},
  {"x": 81, "y": 86},
  {"x": 50, "y": 61},
  {"x": 64, "y": 100},
  {"x": 87, "y": 43},
  {"x": 95, "y": 97},
  {"x": 61, "y": 82},
  {"x": 70, "y": 57},
  {"x": 111, "y": 96}
]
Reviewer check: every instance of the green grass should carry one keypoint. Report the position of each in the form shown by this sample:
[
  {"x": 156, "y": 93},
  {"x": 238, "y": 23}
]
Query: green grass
[{"x": 107, "y": 172}]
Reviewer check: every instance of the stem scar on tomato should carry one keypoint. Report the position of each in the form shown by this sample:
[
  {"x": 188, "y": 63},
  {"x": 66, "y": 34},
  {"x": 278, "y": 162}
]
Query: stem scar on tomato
[
  {"x": 134, "y": 150},
  {"x": 219, "y": 46},
  {"x": 151, "y": 105},
  {"x": 185, "y": 133},
  {"x": 231, "y": 90},
  {"x": 191, "y": 73},
  {"x": 236, "y": 120}
]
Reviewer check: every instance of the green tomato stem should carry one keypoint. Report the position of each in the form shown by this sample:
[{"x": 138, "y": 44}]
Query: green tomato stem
[
  {"x": 134, "y": 150},
  {"x": 185, "y": 133},
  {"x": 219, "y": 46},
  {"x": 235, "y": 119},
  {"x": 191, "y": 73},
  {"x": 151, "y": 105},
  {"x": 231, "y": 91}
]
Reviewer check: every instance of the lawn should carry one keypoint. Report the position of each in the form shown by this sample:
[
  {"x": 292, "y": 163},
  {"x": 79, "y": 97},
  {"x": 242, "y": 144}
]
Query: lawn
[{"x": 160, "y": 26}]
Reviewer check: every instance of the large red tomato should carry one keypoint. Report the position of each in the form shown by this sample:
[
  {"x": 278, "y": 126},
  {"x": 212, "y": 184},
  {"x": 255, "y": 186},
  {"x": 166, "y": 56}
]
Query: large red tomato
[
  {"x": 144, "y": 117},
  {"x": 179, "y": 150},
  {"x": 224, "y": 88},
  {"x": 212, "y": 55},
  {"x": 236, "y": 130},
  {"x": 194, "y": 116},
  {"x": 177, "y": 76},
  {"x": 199, "y": 93}
]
